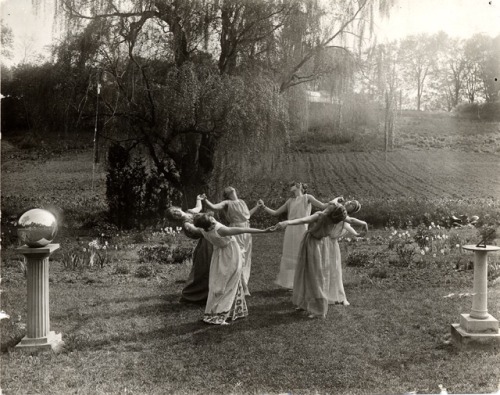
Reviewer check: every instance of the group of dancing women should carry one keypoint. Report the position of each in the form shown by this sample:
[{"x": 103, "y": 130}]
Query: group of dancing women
[{"x": 310, "y": 263}]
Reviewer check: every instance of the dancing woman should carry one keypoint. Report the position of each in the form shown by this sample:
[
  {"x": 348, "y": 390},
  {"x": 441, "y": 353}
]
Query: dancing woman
[
  {"x": 196, "y": 288},
  {"x": 226, "y": 296},
  {"x": 298, "y": 206},
  {"x": 238, "y": 215},
  {"x": 312, "y": 275},
  {"x": 336, "y": 293}
]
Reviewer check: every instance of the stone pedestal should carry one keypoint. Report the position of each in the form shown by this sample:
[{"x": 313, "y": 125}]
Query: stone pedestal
[
  {"x": 478, "y": 327},
  {"x": 38, "y": 336}
]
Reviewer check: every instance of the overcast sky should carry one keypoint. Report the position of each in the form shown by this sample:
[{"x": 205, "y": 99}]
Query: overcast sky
[{"x": 459, "y": 18}]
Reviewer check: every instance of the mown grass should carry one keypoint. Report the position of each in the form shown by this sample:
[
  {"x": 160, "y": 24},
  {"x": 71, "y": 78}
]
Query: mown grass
[{"x": 127, "y": 334}]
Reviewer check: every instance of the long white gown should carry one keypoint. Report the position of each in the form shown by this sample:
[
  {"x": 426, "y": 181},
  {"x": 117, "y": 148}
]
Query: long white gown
[
  {"x": 336, "y": 293},
  {"x": 238, "y": 216},
  {"x": 297, "y": 207},
  {"x": 226, "y": 297}
]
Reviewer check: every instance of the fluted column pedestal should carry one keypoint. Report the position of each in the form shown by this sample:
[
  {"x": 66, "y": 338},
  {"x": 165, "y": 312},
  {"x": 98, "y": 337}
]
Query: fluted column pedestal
[
  {"x": 38, "y": 336},
  {"x": 479, "y": 327}
]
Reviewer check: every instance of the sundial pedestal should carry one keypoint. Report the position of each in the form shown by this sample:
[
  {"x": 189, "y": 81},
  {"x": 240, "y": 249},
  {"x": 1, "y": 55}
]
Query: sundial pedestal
[
  {"x": 479, "y": 328},
  {"x": 38, "y": 337}
]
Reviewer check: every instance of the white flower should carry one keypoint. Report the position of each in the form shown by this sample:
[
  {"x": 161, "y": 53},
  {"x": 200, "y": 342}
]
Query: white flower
[
  {"x": 103, "y": 247},
  {"x": 348, "y": 239},
  {"x": 432, "y": 223},
  {"x": 442, "y": 251},
  {"x": 438, "y": 237},
  {"x": 422, "y": 252},
  {"x": 433, "y": 255},
  {"x": 106, "y": 242},
  {"x": 84, "y": 249},
  {"x": 457, "y": 245},
  {"x": 430, "y": 227}
]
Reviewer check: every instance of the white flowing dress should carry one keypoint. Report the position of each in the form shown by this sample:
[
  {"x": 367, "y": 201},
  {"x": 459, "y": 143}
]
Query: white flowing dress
[
  {"x": 226, "y": 297},
  {"x": 238, "y": 216},
  {"x": 336, "y": 293},
  {"x": 297, "y": 207}
]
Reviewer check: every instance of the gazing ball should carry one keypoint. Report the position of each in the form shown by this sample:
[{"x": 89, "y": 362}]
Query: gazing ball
[{"x": 36, "y": 228}]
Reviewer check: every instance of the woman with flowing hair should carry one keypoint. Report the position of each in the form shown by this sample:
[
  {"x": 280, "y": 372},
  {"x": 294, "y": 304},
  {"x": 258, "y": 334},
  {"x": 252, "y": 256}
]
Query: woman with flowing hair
[
  {"x": 196, "y": 288},
  {"x": 298, "y": 206},
  {"x": 238, "y": 215},
  {"x": 312, "y": 275},
  {"x": 226, "y": 296}
]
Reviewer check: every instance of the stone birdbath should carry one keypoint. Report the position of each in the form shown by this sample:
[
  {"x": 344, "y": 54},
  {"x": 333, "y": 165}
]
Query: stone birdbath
[{"x": 36, "y": 229}]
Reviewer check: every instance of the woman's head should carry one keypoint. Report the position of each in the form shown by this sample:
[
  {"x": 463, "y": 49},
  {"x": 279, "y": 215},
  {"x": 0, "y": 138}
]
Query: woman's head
[
  {"x": 336, "y": 212},
  {"x": 300, "y": 186},
  {"x": 352, "y": 206},
  {"x": 228, "y": 192},
  {"x": 174, "y": 213},
  {"x": 203, "y": 221}
]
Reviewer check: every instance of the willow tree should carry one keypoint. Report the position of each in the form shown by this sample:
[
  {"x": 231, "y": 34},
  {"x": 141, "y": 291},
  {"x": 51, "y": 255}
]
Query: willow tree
[{"x": 190, "y": 82}]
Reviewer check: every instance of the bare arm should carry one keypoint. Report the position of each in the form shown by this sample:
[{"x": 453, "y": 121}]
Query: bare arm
[
  {"x": 355, "y": 221},
  {"x": 351, "y": 230},
  {"x": 193, "y": 229},
  {"x": 252, "y": 211},
  {"x": 300, "y": 221},
  {"x": 196, "y": 209},
  {"x": 279, "y": 211},
  {"x": 225, "y": 231},
  {"x": 316, "y": 203},
  {"x": 216, "y": 206}
]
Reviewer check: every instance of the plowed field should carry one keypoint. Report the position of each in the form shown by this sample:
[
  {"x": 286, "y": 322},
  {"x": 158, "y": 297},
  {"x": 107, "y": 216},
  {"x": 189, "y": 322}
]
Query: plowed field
[{"x": 426, "y": 174}]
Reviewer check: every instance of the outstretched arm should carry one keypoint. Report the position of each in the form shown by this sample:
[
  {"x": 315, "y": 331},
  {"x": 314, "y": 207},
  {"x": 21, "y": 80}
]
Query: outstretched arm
[
  {"x": 351, "y": 230},
  {"x": 316, "y": 203},
  {"x": 193, "y": 229},
  {"x": 279, "y": 211},
  {"x": 355, "y": 221},
  {"x": 300, "y": 221},
  {"x": 216, "y": 206},
  {"x": 225, "y": 231},
  {"x": 252, "y": 211},
  {"x": 196, "y": 209}
]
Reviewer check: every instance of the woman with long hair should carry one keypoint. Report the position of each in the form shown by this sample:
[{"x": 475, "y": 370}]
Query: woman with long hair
[
  {"x": 226, "y": 296},
  {"x": 238, "y": 215},
  {"x": 196, "y": 288},
  {"x": 298, "y": 206}
]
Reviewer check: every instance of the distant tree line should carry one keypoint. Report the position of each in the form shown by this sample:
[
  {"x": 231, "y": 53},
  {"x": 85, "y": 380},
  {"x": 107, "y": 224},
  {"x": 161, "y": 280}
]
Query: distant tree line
[{"x": 435, "y": 72}]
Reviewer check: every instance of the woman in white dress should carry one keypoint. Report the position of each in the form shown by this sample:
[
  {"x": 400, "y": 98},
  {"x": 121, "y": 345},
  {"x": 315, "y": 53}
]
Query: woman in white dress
[
  {"x": 298, "y": 206},
  {"x": 336, "y": 293},
  {"x": 238, "y": 215},
  {"x": 226, "y": 297}
]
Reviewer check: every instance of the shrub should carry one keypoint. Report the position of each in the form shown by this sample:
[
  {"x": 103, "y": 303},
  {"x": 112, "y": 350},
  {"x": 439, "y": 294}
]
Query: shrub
[
  {"x": 137, "y": 195},
  {"x": 359, "y": 259},
  {"x": 145, "y": 271},
  {"x": 122, "y": 268},
  {"x": 157, "y": 253}
]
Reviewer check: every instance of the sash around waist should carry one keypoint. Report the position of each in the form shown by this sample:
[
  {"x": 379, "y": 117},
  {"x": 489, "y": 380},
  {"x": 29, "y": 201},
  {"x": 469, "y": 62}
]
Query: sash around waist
[{"x": 245, "y": 224}]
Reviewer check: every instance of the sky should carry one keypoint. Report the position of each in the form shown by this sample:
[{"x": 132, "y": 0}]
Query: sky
[{"x": 458, "y": 18}]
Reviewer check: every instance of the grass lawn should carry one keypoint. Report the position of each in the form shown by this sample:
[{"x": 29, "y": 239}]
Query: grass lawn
[{"x": 125, "y": 334}]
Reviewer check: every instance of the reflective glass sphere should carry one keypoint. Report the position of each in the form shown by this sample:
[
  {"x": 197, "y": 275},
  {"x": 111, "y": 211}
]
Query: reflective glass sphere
[{"x": 36, "y": 228}]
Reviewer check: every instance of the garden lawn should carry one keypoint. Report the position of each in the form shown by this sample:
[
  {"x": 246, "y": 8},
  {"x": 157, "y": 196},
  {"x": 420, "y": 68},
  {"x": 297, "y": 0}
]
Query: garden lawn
[{"x": 125, "y": 334}]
